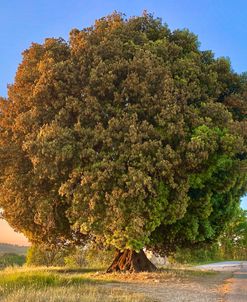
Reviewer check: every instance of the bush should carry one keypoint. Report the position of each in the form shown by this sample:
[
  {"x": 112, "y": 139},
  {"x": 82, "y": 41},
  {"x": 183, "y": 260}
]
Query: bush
[
  {"x": 11, "y": 259},
  {"x": 44, "y": 255},
  {"x": 96, "y": 258},
  {"x": 89, "y": 256},
  {"x": 76, "y": 258}
]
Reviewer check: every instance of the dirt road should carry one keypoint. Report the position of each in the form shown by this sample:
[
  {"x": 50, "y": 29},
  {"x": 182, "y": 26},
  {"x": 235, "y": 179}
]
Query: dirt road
[
  {"x": 235, "y": 288},
  {"x": 238, "y": 286},
  {"x": 198, "y": 284}
]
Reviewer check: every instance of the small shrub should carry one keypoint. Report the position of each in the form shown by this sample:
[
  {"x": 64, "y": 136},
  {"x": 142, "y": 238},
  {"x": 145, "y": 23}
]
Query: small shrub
[
  {"x": 11, "y": 259},
  {"x": 44, "y": 255},
  {"x": 89, "y": 256}
]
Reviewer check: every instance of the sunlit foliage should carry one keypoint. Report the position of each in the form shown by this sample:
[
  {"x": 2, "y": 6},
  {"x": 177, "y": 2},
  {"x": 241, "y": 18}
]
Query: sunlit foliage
[{"x": 128, "y": 134}]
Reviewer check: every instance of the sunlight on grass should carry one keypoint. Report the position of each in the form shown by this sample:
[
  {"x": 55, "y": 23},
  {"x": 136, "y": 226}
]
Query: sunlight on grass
[
  {"x": 13, "y": 280},
  {"x": 85, "y": 293},
  {"x": 54, "y": 285}
]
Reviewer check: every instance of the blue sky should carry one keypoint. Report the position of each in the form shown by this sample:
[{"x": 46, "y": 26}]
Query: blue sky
[{"x": 221, "y": 25}]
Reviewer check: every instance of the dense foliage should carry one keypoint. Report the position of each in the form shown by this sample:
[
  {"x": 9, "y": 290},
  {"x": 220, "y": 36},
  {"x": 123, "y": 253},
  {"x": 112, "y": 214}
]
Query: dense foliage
[
  {"x": 231, "y": 245},
  {"x": 128, "y": 135},
  {"x": 11, "y": 259},
  {"x": 233, "y": 241},
  {"x": 43, "y": 255}
]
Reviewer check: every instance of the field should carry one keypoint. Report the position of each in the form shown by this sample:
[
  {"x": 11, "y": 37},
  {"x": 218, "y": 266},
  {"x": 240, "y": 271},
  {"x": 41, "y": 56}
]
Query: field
[
  {"x": 59, "y": 284},
  {"x": 14, "y": 249},
  {"x": 55, "y": 284},
  {"x": 12, "y": 255}
]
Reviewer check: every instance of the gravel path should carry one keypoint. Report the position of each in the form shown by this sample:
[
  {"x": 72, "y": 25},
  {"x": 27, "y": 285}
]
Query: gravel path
[
  {"x": 237, "y": 285},
  {"x": 227, "y": 284},
  {"x": 229, "y": 266},
  {"x": 235, "y": 288}
]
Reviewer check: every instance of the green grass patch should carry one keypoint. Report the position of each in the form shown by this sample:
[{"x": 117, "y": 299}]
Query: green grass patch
[
  {"x": 187, "y": 272},
  {"x": 14, "y": 279},
  {"x": 74, "y": 293},
  {"x": 196, "y": 263},
  {"x": 58, "y": 285}
]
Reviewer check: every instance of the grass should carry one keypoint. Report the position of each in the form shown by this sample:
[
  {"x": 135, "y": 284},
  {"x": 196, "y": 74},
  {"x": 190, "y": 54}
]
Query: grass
[
  {"x": 188, "y": 271},
  {"x": 210, "y": 261},
  {"x": 75, "y": 293},
  {"x": 53, "y": 285}
]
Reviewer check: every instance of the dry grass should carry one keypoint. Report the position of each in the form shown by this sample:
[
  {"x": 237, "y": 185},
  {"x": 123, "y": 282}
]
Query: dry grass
[
  {"x": 72, "y": 285},
  {"x": 165, "y": 275},
  {"x": 56, "y": 285},
  {"x": 81, "y": 293}
]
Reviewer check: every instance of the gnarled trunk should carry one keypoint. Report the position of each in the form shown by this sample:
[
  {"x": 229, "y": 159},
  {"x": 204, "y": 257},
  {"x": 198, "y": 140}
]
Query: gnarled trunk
[{"x": 131, "y": 261}]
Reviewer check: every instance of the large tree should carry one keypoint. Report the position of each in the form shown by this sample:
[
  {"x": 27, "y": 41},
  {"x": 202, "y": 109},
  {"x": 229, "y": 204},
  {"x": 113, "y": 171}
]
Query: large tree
[{"x": 128, "y": 135}]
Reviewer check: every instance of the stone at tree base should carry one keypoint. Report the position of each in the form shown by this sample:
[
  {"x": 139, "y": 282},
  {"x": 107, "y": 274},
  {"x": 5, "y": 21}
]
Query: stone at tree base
[{"x": 156, "y": 259}]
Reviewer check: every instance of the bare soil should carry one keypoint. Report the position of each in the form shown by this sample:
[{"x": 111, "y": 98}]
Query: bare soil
[
  {"x": 236, "y": 286},
  {"x": 174, "y": 287}
]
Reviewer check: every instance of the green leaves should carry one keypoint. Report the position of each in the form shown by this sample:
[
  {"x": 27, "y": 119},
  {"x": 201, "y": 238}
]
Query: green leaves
[{"x": 128, "y": 135}]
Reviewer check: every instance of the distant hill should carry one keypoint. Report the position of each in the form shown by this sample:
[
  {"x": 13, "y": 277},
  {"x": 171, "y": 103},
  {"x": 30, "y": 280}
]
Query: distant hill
[{"x": 11, "y": 248}]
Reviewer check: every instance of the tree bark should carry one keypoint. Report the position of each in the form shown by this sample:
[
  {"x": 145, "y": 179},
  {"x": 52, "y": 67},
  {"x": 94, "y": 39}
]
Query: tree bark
[{"x": 131, "y": 261}]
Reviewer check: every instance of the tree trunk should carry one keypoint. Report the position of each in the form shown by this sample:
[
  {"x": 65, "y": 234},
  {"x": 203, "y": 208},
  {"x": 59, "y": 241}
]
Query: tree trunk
[{"x": 131, "y": 261}]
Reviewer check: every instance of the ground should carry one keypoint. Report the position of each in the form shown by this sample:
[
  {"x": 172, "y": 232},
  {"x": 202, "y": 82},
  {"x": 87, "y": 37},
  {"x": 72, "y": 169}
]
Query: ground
[
  {"x": 177, "y": 289},
  {"x": 184, "y": 284},
  {"x": 238, "y": 286},
  {"x": 234, "y": 288}
]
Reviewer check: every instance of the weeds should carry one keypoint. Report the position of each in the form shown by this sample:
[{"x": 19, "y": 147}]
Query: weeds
[{"x": 54, "y": 285}]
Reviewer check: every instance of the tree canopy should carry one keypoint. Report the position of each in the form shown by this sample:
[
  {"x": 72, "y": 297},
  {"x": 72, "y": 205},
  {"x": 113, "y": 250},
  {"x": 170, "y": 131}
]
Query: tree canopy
[{"x": 128, "y": 134}]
